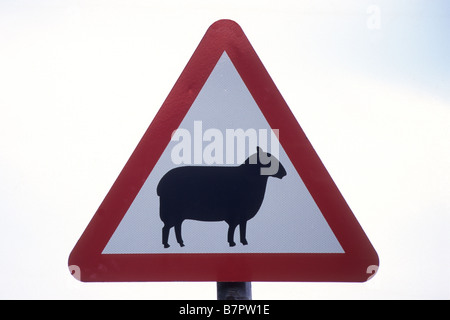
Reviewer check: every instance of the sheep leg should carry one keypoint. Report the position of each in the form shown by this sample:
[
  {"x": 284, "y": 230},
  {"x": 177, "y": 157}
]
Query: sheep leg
[
  {"x": 165, "y": 236},
  {"x": 178, "y": 234},
  {"x": 243, "y": 232},
  {"x": 231, "y": 228}
]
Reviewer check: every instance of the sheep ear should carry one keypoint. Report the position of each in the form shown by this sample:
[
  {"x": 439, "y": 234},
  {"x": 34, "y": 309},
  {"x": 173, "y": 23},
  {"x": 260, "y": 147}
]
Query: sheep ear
[{"x": 258, "y": 149}]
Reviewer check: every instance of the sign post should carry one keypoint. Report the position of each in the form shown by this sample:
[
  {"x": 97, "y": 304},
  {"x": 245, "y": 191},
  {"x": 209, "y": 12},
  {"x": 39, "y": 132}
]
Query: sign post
[
  {"x": 224, "y": 186},
  {"x": 234, "y": 291}
]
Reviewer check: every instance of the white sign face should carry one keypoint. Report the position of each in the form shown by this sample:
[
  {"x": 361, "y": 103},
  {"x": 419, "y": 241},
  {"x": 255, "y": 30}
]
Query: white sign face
[{"x": 224, "y": 127}]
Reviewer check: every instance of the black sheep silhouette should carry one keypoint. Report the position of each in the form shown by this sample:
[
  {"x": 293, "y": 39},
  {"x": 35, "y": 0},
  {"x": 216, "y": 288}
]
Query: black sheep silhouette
[{"x": 230, "y": 194}]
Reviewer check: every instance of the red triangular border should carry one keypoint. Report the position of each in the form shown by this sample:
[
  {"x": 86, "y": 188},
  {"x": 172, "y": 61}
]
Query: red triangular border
[{"x": 355, "y": 265}]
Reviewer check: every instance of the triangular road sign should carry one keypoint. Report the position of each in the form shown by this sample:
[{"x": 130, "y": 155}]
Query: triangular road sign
[{"x": 202, "y": 199}]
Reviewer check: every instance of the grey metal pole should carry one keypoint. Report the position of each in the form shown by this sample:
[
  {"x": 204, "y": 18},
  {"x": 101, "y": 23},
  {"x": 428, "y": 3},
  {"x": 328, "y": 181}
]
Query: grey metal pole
[{"x": 234, "y": 291}]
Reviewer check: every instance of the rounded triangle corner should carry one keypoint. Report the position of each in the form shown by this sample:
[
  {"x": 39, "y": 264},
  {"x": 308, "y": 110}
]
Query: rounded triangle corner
[
  {"x": 75, "y": 271},
  {"x": 73, "y": 264},
  {"x": 370, "y": 265},
  {"x": 225, "y": 24},
  {"x": 371, "y": 271}
]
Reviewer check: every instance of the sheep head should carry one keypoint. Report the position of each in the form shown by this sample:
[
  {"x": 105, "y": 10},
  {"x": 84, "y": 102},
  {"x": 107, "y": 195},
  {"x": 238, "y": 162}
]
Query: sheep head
[{"x": 267, "y": 164}]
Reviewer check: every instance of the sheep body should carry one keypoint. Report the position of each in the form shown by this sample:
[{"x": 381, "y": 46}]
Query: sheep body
[{"x": 230, "y": 194}]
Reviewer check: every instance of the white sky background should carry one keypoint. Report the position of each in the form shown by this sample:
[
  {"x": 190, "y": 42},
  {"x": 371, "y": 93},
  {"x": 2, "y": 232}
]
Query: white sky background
[{"x": 80, "y": 81}]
